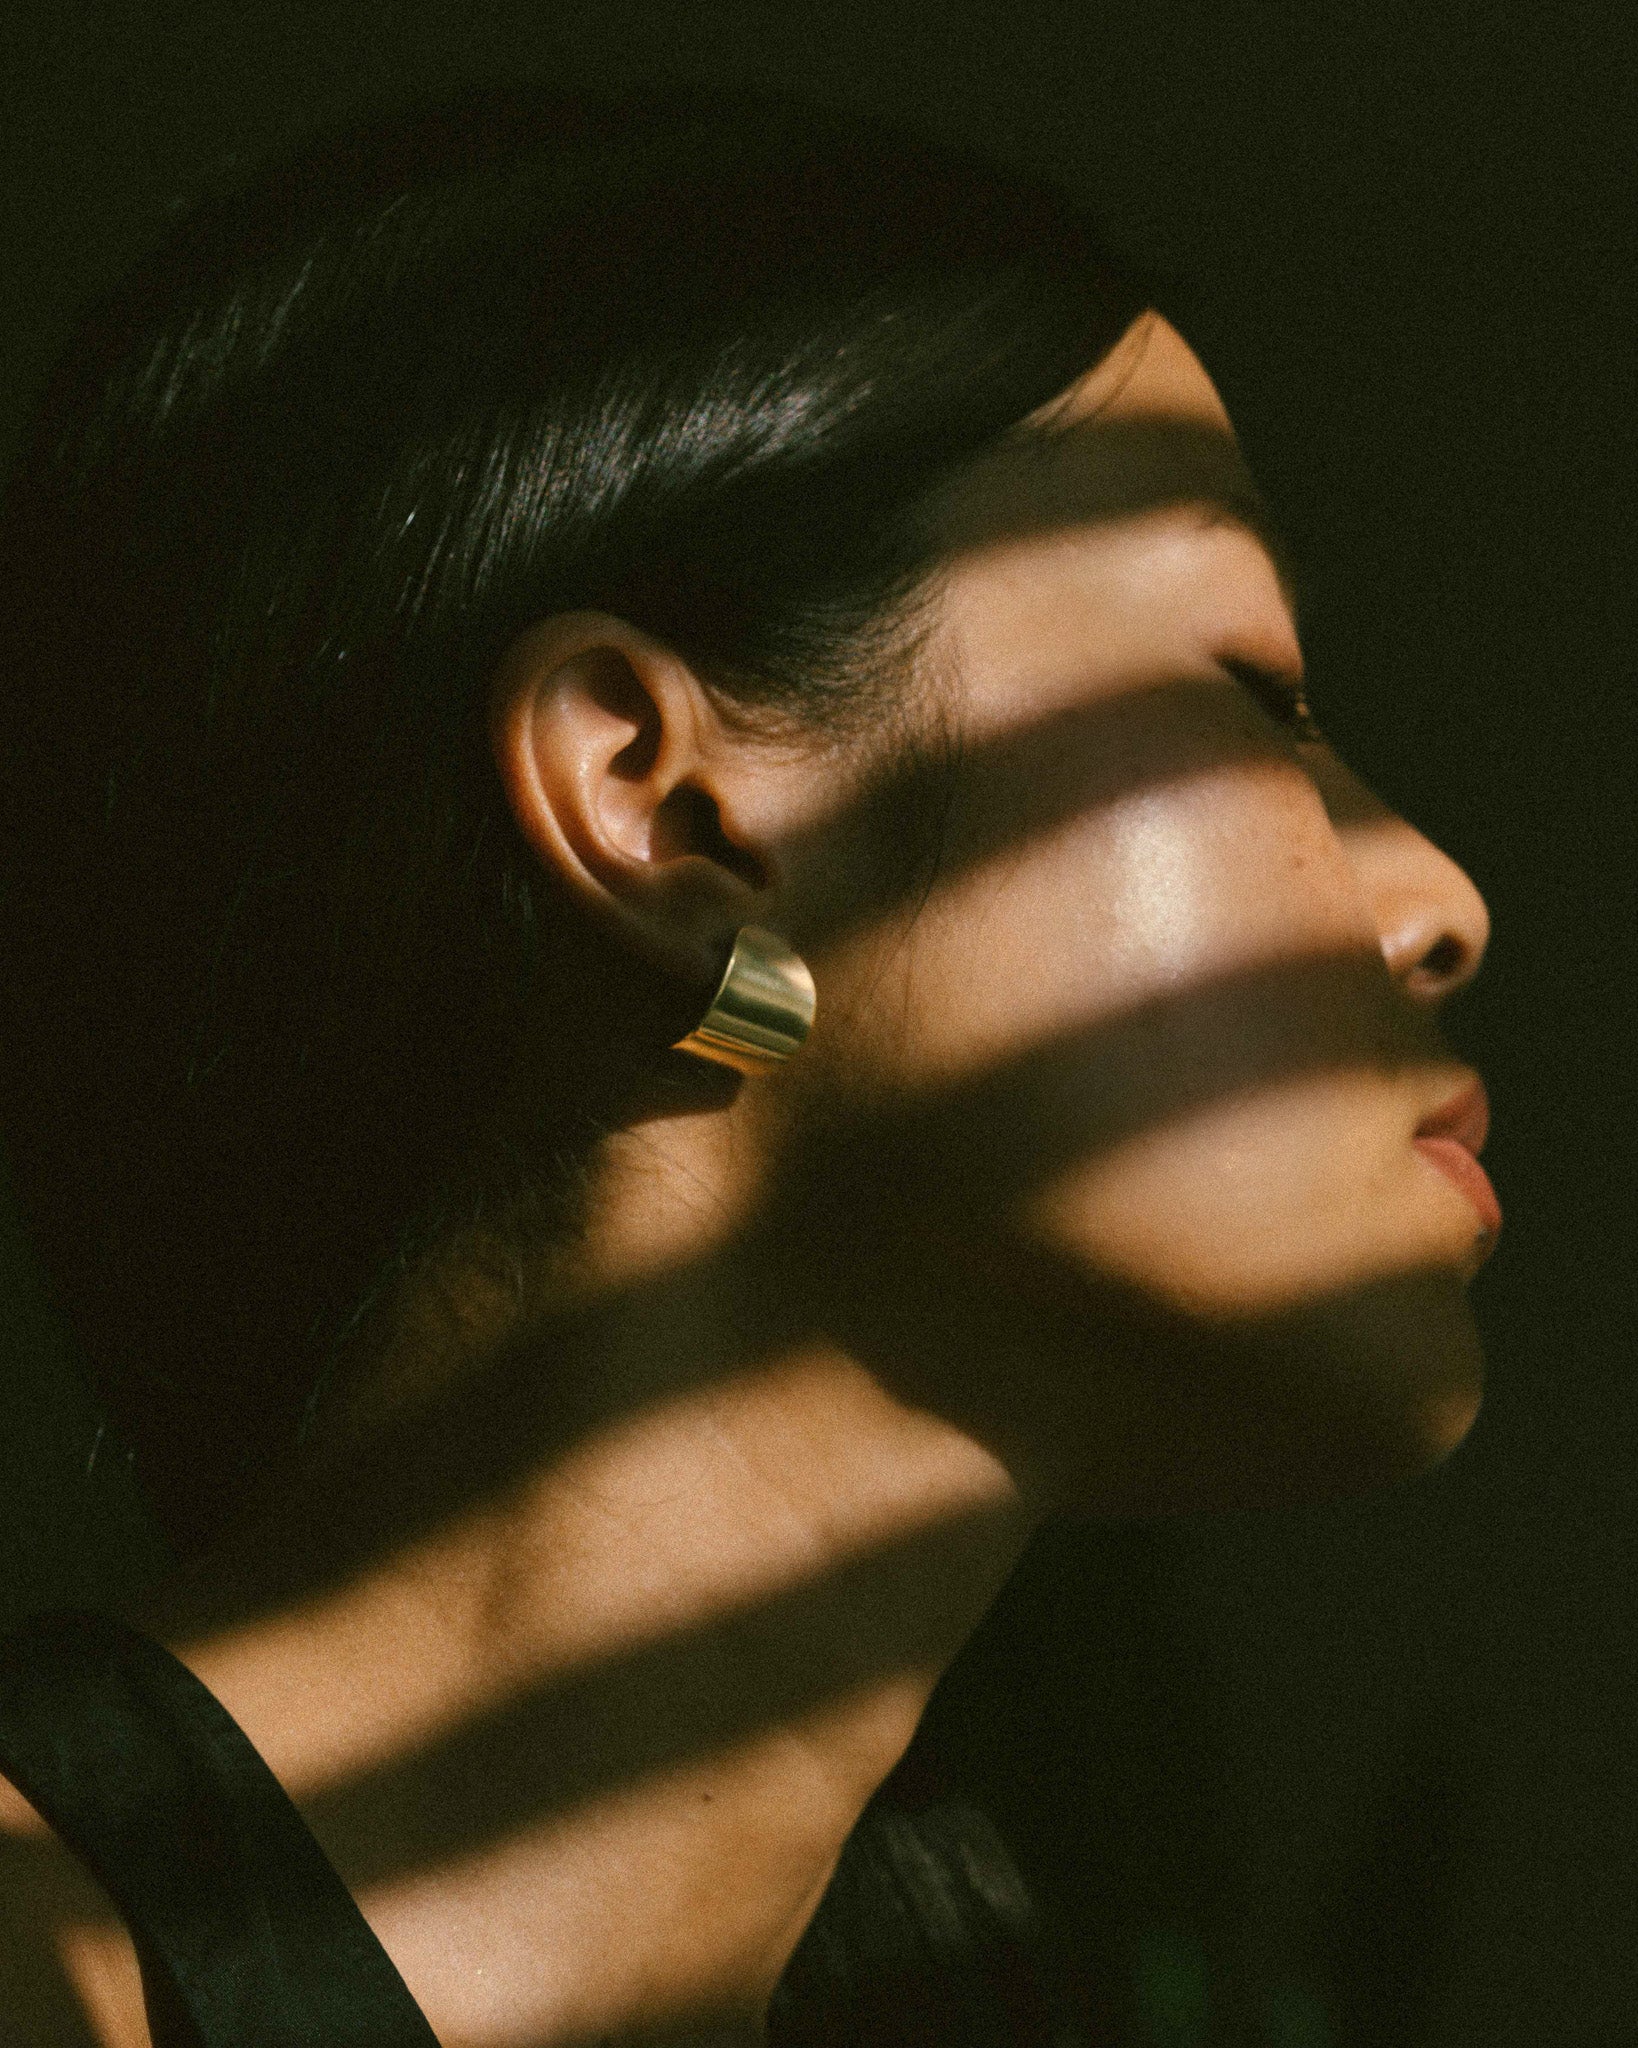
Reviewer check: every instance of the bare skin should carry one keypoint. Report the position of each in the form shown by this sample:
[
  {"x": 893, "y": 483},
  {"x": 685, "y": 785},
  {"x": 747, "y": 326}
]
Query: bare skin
[{"x": 1095, "y": 1188}]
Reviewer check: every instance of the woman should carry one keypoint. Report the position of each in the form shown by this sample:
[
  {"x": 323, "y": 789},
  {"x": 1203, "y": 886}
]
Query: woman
[{"x": 455, "y": 592}]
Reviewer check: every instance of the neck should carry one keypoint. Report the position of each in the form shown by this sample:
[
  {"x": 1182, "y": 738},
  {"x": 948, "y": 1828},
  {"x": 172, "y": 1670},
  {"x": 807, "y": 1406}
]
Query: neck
[{"x": 586, "y": 1737}]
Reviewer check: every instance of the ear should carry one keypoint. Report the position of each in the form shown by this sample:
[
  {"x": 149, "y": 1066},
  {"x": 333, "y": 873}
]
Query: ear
[{"x": 623, "y": 779}]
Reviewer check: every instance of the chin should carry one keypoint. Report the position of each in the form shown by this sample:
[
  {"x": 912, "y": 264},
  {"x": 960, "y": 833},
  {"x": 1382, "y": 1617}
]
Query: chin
[
  {"x": 1423, "y": 1422},
  {"x": 1363, "y": 1393},
  {"x": 1335, "y": 1400}
]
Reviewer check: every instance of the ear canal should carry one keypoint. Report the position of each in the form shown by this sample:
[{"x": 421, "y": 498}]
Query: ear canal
[
  {"x": 763, "y": 1009},
  {"x": 693, "y": 824}
]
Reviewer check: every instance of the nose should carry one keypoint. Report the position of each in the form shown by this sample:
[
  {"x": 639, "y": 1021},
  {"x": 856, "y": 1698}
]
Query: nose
[{"x": 1430, "y": 918}]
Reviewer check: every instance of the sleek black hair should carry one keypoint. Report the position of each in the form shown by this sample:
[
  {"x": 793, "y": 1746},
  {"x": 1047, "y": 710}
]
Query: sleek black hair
[
  {"x": 271, "y": 939},
  {"x": 271, "y": 936}
]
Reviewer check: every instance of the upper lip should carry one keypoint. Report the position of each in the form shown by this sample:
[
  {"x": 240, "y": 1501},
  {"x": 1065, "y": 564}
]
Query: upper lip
[{"x": 1465, "y": 1117}]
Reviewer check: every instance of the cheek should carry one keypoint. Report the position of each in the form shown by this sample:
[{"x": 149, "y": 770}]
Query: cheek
[
  {"x": 1160, "y": 1092},
  {"x": 1156, "y": 899},
  {"x": 1161, "y": 1048}
]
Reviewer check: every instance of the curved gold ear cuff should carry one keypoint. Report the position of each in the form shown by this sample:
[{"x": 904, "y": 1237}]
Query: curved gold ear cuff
[{"x": 762, "y": 1010}]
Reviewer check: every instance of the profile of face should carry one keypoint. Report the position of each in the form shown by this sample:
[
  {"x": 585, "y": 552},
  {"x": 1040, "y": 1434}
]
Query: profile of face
[{"x": 1151, "y": 1162}]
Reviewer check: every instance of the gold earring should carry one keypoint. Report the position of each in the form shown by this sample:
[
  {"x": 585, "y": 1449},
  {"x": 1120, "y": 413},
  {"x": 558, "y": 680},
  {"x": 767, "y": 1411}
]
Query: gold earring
[{"x": 762, "y": 1010}]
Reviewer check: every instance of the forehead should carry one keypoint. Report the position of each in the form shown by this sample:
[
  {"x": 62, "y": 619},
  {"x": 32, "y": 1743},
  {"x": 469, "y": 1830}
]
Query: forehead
[
  {"x": 1151, "y": 369},
  {"x": 1143, "y": 431}
]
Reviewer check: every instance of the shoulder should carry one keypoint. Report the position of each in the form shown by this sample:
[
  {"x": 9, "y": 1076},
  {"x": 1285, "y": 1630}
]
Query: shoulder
[{"x": 68, "y": 1974}]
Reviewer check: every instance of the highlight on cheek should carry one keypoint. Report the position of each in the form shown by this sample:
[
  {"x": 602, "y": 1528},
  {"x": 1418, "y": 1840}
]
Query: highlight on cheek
[{"x": 1130, "y": 895}]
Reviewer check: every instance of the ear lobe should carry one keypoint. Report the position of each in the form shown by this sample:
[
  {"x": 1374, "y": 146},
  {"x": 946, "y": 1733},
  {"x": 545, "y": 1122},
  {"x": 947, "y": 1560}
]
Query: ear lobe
[{"x": 611, "y": 757}]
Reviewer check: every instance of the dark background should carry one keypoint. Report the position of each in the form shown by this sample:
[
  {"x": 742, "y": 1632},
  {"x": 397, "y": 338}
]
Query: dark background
[{"x": 1356, "y": 1776}]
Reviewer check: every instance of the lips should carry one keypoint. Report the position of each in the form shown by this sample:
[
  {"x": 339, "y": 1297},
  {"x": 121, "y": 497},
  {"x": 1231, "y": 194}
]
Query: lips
[{"x": 1452, "y": 1139}]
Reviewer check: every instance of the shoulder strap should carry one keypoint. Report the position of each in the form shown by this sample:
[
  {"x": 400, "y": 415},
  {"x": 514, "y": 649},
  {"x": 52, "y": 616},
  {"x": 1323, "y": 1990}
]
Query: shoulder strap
[{"x": 246, "y": 1935}]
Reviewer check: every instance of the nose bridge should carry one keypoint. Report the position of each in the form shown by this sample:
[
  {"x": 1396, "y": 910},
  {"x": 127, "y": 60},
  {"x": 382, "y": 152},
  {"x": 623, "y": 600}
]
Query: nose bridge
[{"x": 1432, "y": 922}]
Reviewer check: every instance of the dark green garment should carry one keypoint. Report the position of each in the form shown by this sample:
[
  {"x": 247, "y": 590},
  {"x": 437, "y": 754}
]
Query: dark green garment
[{"x": 246, "y": 1936}]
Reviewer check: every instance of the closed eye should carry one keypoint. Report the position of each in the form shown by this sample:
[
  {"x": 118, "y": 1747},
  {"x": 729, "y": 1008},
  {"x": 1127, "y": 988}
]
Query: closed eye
[{"x": 1281, "y": 696}]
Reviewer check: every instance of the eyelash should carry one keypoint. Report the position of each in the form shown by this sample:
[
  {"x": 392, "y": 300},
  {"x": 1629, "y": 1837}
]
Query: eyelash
[{"x": 1283, "y": 700}]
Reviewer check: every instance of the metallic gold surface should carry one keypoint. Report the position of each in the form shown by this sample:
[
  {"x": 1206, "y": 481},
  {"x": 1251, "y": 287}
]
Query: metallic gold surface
[{"x": 762, "y": 1010}]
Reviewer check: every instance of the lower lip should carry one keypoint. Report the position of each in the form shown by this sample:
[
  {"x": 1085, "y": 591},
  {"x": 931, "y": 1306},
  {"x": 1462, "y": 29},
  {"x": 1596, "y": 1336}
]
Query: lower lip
[{"x": 1457, "y": 1164}]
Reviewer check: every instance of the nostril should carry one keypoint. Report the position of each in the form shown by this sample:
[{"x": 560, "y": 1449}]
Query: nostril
[{"x": 1443, "y": 960}]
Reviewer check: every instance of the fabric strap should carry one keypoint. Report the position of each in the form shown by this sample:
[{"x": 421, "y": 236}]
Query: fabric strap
[{"x": 246, "y": 1936}]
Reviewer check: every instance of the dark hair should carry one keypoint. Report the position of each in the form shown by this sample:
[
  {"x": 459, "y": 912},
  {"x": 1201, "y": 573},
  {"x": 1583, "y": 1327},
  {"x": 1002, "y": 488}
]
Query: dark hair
[{"x": 271, "y": 939}]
